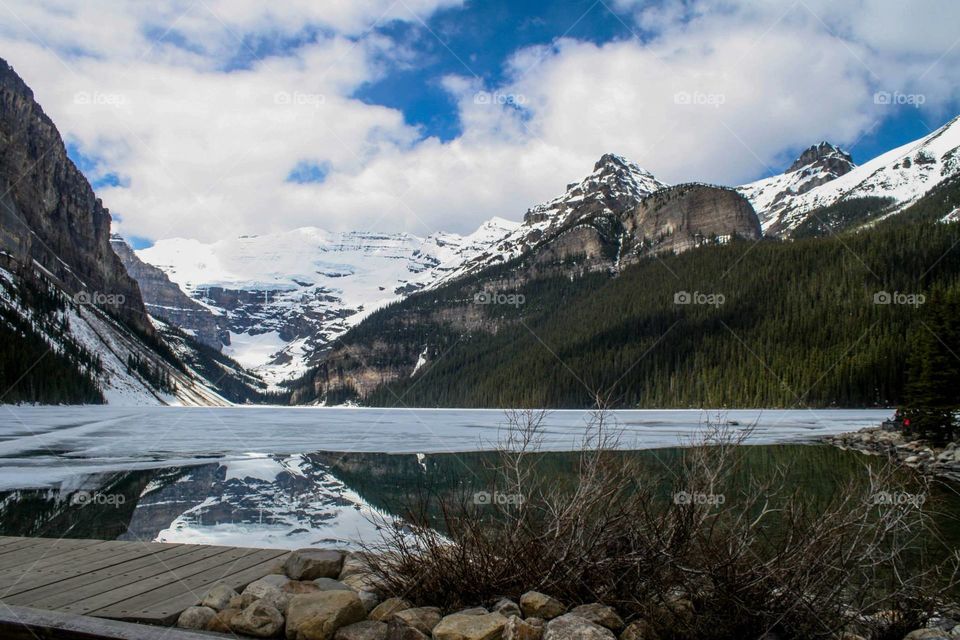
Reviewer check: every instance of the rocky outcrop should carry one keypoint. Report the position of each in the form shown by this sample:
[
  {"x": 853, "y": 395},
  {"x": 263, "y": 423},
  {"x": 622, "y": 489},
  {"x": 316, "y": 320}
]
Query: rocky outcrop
[
  {"x": 166, "y": 301},
  {"x": 49, "y": 212}
]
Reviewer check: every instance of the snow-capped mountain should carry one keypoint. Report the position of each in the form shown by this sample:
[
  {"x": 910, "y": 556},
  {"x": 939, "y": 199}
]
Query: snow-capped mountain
[
  {"x": 285, "y": 297},
  {"x": 615, "y": 184},
  {"x": 824, "y": 175}
]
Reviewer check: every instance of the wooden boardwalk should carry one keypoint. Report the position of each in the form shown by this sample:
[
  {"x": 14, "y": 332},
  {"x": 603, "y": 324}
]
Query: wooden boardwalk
[{"x": 133, "y": 581}]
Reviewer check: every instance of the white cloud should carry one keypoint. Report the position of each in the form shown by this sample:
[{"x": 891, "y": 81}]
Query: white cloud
[{"x": 716, "y": 94}]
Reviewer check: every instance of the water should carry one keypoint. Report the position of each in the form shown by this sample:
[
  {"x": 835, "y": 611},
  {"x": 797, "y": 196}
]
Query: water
[{"x": 293, "y": 477}]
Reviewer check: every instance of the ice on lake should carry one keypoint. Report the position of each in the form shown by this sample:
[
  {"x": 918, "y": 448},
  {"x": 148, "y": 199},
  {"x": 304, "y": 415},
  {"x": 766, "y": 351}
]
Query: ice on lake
[{"x": 259, "y": 476}]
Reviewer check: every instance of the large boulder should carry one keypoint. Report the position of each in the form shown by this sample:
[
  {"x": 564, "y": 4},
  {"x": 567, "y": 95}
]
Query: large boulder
[
  {"x": 423, "y": 619},
  {"x": 218, "y": 597},
  {"x": 571, "y": 627},
  {"x": 221, "y": 622},
  {"x": 272, "y": 589},
  {"x": 538, "y": 605},
  {"x": 318, "y": 616},
  {"x": 388, "y": 607},
  {"x": 260, "y": 620},
  {"x": 600, "y": 614},
  {"x": 196, "y": 618},
  {"x": 366, "y": 630},
  {"x": 519, "y": 629},
  {"x": 309, "y": 564},
  {"x": 461, "y": 626}
]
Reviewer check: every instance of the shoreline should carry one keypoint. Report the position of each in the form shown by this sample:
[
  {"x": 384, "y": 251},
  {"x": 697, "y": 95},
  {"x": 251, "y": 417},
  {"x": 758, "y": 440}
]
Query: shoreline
[{"x": 919, "y": 455}]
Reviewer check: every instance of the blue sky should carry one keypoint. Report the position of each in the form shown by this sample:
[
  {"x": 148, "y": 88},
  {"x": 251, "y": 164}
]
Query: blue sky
[{"x": 241, "y": 116}]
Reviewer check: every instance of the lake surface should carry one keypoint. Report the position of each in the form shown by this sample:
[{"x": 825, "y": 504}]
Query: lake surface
[{"x": 293, "y": 477}]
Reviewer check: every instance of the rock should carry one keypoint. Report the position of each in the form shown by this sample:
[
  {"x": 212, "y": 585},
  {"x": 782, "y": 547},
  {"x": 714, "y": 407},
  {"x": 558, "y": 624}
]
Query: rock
[
  {"x": 309, "y": 564},
  {"x": 474, "y": 611},
  {"x": 221, "y": 622},
  {"x": 318, "y": 616},
  {"x": 353, "y": 564},
  {"x": 295, "y": 587},
  {"x": 361, "y": 582},
  {"x": 388, "y": 607},
  {"x": 397, "y": 630},
  {"x": 519, "y": 629},
  {"x": 423, "y": 619},
  {"x": 506, "y": 607},
  {"x": 273, "y": 589},
  {"x": 260, "y": 620},
  {"x": 257, "y": 588},
  {"x": 459, "y": 626},
  {"x": 218, "y": 597},
  {"x": 366, "y": 630},
  {"x": 639, "y": 630},
  {"x": 329, "y": 584},
  {"x": 236, "y": 602},
  {"x": 196, "y": 618},
  {"x": 539, "y": 605},
  {"x": 600, "y": 614},
  {"x": 369, "y": 599},
  {"x": 571, "y": 627}
]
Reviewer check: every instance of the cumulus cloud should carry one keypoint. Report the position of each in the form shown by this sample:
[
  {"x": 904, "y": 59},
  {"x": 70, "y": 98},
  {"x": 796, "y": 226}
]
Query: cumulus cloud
[{"x": 204, "y": 109}]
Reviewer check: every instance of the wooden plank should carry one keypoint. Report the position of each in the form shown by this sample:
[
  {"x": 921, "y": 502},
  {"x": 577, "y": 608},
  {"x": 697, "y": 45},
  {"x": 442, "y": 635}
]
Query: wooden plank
[
  {"x": 157, "y": 568},
  {"x": 96, "y": 569},
  {"x": 113, "y": 591},
  {"x": 24, "y": 623},
  {"x": 167, "y": 611},
  {"x": 64, "y": 560},
  {"x": 23, "y": 556}
]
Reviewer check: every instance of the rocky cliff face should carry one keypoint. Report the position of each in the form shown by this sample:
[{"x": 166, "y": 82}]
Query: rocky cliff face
[
  {"x": 164, "y": 299},
  {"x": 49, "y": 213}
]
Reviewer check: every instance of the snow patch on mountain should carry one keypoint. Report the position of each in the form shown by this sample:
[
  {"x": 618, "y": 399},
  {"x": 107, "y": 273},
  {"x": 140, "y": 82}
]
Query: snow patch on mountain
[{"x": 903, "y": 174}]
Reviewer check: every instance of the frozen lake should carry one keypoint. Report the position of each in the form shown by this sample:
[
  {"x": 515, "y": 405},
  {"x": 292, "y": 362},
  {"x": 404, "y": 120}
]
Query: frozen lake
[
  {"x": 295, "y": 477},
  {"x": 45, "y": 446}
]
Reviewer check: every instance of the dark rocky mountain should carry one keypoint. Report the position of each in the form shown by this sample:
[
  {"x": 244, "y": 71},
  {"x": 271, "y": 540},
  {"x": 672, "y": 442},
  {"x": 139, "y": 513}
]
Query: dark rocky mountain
[
  {"x": 165, "y": 300},
  {"x": 49, "y": 214},
  {"x": 73, "y": 324}
]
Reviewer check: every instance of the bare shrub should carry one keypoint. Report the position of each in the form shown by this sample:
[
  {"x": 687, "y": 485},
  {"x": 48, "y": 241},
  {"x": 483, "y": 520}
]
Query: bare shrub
[{"x": 698, "y": 552}]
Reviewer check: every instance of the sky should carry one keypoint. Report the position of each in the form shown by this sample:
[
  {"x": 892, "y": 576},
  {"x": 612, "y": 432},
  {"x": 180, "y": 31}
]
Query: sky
[{"x": 212, "y": 118}]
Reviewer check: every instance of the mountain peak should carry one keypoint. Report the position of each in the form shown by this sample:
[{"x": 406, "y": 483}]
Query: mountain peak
[{"x": 824, "y": 155}]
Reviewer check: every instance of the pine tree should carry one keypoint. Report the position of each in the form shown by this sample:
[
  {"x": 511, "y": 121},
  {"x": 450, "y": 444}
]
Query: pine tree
[{"x": 932, "y": 392}]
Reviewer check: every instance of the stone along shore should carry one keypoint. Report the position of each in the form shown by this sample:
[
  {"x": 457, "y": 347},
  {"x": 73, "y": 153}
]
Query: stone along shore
[
  {"x": 323, "y": 594},
  {"x": 941, "y": 462}
]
